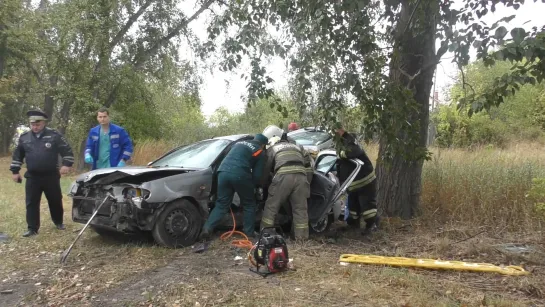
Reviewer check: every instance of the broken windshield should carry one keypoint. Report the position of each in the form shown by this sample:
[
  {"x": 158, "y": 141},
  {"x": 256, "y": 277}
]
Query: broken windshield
[{"x": 196, "y": 155}]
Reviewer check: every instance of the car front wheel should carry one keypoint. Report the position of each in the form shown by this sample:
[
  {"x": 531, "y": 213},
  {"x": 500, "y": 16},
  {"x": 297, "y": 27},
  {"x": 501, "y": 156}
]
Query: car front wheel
[
  {"x": 322, "y": 225},
  {"x": 178, "y": 225}
]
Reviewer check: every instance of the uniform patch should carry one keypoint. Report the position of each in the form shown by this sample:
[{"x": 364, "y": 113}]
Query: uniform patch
[
  {"x": 48, "y": 145},
  {"x": 252, "y": 146}
]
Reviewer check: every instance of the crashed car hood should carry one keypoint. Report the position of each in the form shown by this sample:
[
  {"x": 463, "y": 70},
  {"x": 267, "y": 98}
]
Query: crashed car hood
[{"x": 108, "y": 175}]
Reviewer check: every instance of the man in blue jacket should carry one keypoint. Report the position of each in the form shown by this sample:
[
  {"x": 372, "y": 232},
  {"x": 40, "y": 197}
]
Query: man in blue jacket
[
  {"x": 108, "y": 145},
  {"x": 240, "y": 171}
]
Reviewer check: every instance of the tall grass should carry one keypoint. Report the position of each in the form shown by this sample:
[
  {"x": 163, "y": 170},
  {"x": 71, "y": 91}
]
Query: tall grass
[
  {"x": 485, "y": 186},
  {"x": 149, "y": 150},
  {"x": 482, "y": 186}
]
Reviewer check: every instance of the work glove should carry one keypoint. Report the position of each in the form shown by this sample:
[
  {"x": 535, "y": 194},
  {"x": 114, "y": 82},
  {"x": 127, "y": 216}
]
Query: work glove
[
  {"x": 88, "y": 159},
  {"x": 121, "y": 163}
]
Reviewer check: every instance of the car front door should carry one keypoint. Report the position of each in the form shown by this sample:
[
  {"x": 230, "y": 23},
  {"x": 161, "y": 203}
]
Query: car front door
[{"x": 326, "y": 164}]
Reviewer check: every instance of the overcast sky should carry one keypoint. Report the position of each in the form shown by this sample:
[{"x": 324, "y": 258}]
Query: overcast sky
[{"x": 226, "y": 89}]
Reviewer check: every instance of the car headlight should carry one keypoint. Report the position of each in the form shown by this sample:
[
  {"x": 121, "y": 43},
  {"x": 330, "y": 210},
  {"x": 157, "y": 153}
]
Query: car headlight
[
  {"x": 73, "y": 189},
  {"x": 136, "y": 193}
]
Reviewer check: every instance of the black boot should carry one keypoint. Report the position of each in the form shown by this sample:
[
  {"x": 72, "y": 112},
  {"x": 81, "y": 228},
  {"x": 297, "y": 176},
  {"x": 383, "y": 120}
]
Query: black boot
[
  {"x": 203, "y": 242},
  {"x": 30, "y": 233},
  {"x": 60, "y": 227},
  {"x": 371, "y": 225},
  {"x": 204, "y": 236}
]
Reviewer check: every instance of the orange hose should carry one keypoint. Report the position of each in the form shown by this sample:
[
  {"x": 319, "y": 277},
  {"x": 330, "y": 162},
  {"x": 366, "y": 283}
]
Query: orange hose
[{"x": 245, "y": 243}]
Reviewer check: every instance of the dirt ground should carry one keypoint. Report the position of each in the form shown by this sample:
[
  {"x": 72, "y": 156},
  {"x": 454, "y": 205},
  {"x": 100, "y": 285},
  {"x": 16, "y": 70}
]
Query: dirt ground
[{"x": 216, "y": 279}]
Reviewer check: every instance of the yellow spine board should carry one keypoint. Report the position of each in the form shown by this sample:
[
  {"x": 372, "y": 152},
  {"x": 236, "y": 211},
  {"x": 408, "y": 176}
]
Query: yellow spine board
[{"x": 433, "y": 264}]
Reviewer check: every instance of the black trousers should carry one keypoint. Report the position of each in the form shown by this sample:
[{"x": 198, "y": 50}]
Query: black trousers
[
  {"x": 50, "y": 185},
  {"x": 363, "y": 203}
]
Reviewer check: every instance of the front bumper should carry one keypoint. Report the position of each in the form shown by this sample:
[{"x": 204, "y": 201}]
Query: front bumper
[{"x": 122, "y": 215}]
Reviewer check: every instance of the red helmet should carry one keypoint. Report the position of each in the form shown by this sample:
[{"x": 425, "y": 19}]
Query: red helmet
[{"x": 293, "y": 126}]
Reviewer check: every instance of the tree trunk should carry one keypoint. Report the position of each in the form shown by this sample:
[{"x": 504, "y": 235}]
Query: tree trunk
[
  {"x": 65, "y": 117},
  {"x": 49, "y": 102},
  {"x": 399, "y": 179},
  {"x": 3, "y": 49},
  {"x": 6, "y": 139}
]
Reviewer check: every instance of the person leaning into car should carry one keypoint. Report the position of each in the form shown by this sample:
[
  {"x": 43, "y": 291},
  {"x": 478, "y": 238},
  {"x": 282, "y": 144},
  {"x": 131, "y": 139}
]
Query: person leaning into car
[
  {"x": 362, "y": 192},
  {"x": 288, "y": 163},
  {"x": 240, "y": 172},
  {"x": 40, "y": 149},
  {"x": 108, "y": 145}
]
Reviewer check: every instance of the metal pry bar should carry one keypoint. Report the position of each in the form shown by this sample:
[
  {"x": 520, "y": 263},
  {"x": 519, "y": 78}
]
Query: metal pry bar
[{"x": 65, "y": 254}]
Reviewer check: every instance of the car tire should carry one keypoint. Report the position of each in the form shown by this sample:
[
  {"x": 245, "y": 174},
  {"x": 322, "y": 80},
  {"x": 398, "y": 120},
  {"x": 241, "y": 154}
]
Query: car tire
[
  {"x": 323, "y": 225},
  {"x": 178, "y": 225}
]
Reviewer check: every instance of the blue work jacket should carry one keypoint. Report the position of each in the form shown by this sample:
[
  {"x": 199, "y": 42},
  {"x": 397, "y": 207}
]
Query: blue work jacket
[{"x": 120, "y": 144}]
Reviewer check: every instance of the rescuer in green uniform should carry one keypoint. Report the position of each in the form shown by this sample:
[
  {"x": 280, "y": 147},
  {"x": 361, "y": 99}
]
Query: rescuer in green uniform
[
  {"x": 240, "y": 171},
  {"x": 288, "y": 163}
]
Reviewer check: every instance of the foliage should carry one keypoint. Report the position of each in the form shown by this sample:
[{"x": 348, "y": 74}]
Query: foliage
[
  {"x": 254, "y": 118},
  {"x": 79, "y": 55},
  {"x": 519, "y": 119},
  {"x": 330, "y": 62}
]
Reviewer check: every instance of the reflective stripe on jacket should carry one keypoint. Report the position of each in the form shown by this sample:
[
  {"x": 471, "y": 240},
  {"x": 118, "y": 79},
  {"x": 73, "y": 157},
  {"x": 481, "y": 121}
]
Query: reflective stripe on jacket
[{"x": 350, "y": 149}]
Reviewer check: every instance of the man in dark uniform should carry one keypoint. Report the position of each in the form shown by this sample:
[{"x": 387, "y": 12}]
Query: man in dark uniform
[
  {"x": 240, "y": 171},
  {"x": 362, "y": 193},
  {"x": 40, "y": 149}
]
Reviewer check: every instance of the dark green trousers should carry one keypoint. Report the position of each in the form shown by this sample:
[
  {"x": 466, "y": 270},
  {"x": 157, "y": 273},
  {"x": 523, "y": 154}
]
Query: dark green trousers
[
  {"x": 292, "y": 188},
  {"x": 228, "y": 184}
]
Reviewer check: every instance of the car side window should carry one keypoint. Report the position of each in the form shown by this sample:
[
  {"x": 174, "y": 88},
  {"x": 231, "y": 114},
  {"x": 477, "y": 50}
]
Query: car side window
[{"x": 326, "y": 163}]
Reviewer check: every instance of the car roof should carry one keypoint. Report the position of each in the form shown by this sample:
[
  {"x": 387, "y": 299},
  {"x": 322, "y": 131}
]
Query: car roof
[
  {"x": 307, "y": 129},
  {"x": 327, "y": 152},
  {"x": 234, "y": 137}
]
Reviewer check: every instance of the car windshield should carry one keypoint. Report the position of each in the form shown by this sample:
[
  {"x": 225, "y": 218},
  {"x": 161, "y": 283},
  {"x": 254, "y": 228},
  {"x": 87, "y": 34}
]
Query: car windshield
[
  {"x": 196, "y": 155},
  {"x": 310, "y": 137}
]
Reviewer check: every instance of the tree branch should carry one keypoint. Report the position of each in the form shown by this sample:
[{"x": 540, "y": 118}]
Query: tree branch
[
  {"x": 129, "y": 24},
  {"x": 143, "y": 56},
  {"x": 117, "y": 38},
  {"x": 464, "y": 83},
  {"x": 411, "y": 18}
]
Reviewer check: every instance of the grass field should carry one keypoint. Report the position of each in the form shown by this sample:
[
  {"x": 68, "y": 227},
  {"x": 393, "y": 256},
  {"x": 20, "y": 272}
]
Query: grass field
[{"x": 472, "y": 203}]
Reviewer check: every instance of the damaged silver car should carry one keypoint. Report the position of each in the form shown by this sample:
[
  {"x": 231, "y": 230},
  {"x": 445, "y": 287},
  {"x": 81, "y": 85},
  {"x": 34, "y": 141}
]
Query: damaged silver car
[{"x": 173, "y": 195}]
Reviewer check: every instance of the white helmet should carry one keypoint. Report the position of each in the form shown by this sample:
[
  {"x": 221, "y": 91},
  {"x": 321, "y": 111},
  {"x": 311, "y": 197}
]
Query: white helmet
[
  {"x": 274, "y": 140},
  {"x": 272, "y": 131}
]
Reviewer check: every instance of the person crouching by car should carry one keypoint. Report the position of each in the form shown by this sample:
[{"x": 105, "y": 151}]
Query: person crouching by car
[
  {"x": 108, "y": 145},
  {"x": 240, "y": 171}
]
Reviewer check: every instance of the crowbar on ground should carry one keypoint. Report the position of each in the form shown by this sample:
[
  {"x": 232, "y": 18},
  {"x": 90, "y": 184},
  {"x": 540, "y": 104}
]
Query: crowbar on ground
[
  {"x": 433, "y": 264},
  {"x": 65, "y": 254}
]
